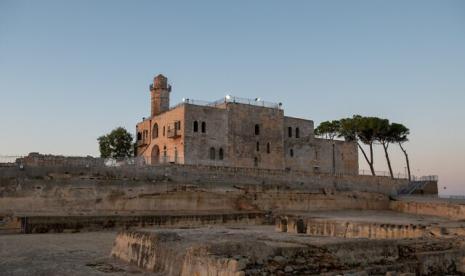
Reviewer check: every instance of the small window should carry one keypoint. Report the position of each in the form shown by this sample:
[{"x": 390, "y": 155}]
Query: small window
[
  {"x": 139, "y": 136},
  {"x": 257, "y": 129},
  {"x": 177, "y": 125},
  {"x": 212, "y": 153},
  {"x": 291, "y": 153},
  {"x": 220, "y": 154},
  {"x": 155, "y": 131},
  {"x": 255, "y": 162},
  {"x": 268, "y": 147},
  {"x": 258, "y": 146},
  {"x": 204, "y": 127},
  {"x": 289, "y": 132},
  {"x": 196, "y": 126},
  {"x": 165, "y": 153},
  {"x": 297, "y": 132},
  {"x": 163, "y": 131}
]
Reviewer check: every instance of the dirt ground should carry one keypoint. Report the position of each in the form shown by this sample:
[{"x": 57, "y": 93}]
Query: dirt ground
[{"x": 61, "y": 254}]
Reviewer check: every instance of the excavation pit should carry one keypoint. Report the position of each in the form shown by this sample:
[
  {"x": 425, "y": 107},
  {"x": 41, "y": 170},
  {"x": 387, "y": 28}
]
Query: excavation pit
[
  {"x": 367, "y": 224},
  {"x": 259, "y": 250}
]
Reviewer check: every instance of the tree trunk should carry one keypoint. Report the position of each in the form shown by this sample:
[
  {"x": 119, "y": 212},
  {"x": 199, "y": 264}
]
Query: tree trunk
[
  {"x": 385, "y": 147},
  {"x": 406, "y": 161},
  {"x": 334, "y": 160},
  {"x": 370, "y": 163}
]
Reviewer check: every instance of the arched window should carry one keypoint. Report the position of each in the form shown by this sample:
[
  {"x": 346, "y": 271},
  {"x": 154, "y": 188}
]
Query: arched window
[
  {"x": 297, "y": 132},
  {"x": 268, "y": 147},
  {"x": 139, "y": 136},
  {"x": 257, "y": 129},
  {"x": 258, "y": 146},
  {"x": 212, "y": 153},
  {"x": 289, "y": 132},
  {"x": 164, "y": 151},
  {"x": 291, "y": 153},
  {"x": 155, "y": 131},
  {"x": 196, "y": 126},
  {"x": 220, "y": 154},
  {"x": 204, "y": 127}
]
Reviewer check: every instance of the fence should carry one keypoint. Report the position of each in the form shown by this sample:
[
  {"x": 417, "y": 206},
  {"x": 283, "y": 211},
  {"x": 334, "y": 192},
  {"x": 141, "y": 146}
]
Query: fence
[
  {"x": 383, "y": 173},
  {"x": 231, "y": 99}
]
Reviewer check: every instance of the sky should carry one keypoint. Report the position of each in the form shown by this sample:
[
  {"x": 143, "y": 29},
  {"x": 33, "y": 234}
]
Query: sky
[{"x": 71, "y": 71}]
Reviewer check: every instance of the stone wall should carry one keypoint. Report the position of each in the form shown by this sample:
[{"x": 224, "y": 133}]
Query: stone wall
[
  {"x": 100, "y": 190},
  {"x": 197, "y": 144},
  {"x": 345, "y": 156},
  {"x": 430, "y": 206},
  {"x": 244, "y": 150},
  {"x": 35, "y": 159},
  {"x": 162, "y": 147}
]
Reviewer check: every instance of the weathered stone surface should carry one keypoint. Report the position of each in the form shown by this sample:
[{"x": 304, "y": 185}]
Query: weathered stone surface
[
  {"x": 214, "y": 251},
  {"x": 452, "y": 209}
]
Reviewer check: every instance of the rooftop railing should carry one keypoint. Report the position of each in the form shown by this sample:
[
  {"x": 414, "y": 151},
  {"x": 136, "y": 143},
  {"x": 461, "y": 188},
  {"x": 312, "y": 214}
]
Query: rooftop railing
[{"x": 231, "y": 99}]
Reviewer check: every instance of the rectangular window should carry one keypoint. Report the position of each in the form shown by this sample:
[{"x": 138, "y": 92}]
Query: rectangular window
[{"x": 289, "y": 131}]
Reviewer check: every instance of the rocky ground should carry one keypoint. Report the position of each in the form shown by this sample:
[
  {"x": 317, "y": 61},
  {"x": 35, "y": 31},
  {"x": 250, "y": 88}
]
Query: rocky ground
[
  {"x": 61, "y": 254},
  {"x": 260, "y": 250}
]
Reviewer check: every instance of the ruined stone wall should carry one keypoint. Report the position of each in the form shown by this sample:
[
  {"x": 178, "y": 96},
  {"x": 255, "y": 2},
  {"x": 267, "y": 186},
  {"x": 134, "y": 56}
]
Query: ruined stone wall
[
  {"x": 198, "y": 143},
  {"x": 48, "y": 160},
  {"x": 430, "y": 206}
]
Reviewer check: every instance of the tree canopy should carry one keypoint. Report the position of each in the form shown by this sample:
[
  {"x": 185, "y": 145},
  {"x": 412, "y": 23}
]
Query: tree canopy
[
  {"x": 328, "y": 129},
  {"x": 116, "y": 144},
  {"x": 368, "y": 131}
]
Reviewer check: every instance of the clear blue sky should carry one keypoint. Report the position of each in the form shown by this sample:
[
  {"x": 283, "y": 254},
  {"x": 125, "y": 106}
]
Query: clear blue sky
[{"x": 73, "y": 70}]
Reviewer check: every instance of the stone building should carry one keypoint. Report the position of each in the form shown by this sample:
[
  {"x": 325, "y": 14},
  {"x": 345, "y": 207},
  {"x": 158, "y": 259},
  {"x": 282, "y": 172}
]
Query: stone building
[{"x": 236, "y": 132}]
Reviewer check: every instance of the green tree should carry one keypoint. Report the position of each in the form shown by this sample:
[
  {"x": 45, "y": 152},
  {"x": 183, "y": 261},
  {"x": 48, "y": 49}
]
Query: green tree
[
  {"x": 400, "y": 134},
  {"x": 330, "y": 130},
  {"x": 116, "y": 144},
  {"x": 361, "y": 129},
  {"x": 385, "y": 136}
]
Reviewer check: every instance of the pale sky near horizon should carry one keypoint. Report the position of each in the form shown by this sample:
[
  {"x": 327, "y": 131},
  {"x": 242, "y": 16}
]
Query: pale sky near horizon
[{"x": 71, "y": 71}]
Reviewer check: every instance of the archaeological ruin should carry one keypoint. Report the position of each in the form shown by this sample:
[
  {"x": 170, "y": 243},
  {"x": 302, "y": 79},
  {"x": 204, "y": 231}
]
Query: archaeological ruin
[{"x": 226, "y": 188}]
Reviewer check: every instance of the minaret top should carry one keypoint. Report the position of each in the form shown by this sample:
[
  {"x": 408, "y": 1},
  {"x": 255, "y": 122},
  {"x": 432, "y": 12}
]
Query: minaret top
[{"x": 161, "y": 82}]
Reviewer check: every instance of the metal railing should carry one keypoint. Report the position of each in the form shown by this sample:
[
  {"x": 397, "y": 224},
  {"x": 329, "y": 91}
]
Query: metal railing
[
  {"x": 383, "y": 173},
  {"x": 401, "y": 175},
  {"x": 230, "y": 99}
]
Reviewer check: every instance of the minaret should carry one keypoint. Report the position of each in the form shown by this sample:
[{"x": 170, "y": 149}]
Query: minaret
[{"x": 160, "y": 94}]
